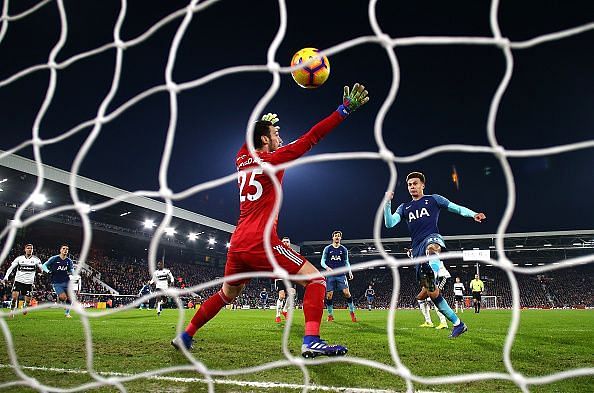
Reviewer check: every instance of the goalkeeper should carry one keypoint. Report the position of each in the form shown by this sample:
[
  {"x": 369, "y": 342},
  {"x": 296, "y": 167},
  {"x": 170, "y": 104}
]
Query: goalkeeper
[{"x": 257, "y": 196}]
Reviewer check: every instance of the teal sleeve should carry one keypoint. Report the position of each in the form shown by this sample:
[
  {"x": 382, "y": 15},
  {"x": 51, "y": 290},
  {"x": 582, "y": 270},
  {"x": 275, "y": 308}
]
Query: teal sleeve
[
  {"x": 323, "y": 261},
  {"x": 45, "y": 266},
  {"x": 390, "y": 219},
  {"x": 461, "y": 210}
]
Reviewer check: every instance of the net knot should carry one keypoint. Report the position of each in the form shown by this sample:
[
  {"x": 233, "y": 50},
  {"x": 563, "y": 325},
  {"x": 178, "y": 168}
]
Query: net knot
[
  {"x": 385, "y": 40},
  {"x": 273, "y": 66},
  {"x": 166, "y": 192},
  {"x": 404, "y": 372},
  {"x": 83, "y": 208},
  {"x": 172, "y": 86},
  {"x": 16, "y": 223},
  {"x": 386, "y": 155}
]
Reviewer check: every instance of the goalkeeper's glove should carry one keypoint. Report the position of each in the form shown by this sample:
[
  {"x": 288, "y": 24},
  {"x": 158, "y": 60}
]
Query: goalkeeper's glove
[
  {"x": 353, "y": 99},
  {"x": 271, "y": 117}
]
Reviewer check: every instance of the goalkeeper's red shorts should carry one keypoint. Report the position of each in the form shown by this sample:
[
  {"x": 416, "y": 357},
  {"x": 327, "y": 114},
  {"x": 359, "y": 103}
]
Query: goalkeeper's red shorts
[{"x": 256, "y": 260}]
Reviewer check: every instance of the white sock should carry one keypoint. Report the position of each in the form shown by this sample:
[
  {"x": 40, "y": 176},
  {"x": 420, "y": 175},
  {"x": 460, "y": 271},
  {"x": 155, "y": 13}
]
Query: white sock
[
  {"x": 159, "y": 306},
  {"x": 442, "y": 318},
  {"x": 425, "y": 310},
  {"x": 279, "y": 306}
]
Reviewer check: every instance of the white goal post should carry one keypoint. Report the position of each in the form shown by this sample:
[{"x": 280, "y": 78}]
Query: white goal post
[{"x": 487, "y": 301}]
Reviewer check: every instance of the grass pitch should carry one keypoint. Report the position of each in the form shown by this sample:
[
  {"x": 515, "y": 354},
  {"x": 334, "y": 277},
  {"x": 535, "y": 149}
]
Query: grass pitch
[{"x": 132, "y": 342}]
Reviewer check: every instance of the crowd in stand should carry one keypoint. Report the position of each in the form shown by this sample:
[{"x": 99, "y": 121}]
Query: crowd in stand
[{"x": 558, "y": 288}]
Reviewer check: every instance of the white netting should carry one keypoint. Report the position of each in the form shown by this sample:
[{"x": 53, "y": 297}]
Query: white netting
[{"x": 185, "y": 16}]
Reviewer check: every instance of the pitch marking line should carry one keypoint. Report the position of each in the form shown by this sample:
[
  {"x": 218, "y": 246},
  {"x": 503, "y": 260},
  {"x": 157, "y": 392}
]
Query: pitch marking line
[{"x": 265, "y": 385}]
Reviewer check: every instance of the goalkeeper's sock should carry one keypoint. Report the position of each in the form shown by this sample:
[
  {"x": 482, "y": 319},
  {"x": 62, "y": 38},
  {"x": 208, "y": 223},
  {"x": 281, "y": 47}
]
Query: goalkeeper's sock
[
  {"x": 313, "y": 306},
  {"x": 330, "y": 306},
  {"x": 279, "y": 306},
  {"x": 285, "y": 302},
  {"x": 445, "y": 309},
  {"x": 207, "y": 311},
  {"x": 424, "y": 310}
]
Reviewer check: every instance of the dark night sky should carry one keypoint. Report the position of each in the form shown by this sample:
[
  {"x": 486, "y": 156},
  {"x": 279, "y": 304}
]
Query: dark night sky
[{"x": 444, "y": 97}]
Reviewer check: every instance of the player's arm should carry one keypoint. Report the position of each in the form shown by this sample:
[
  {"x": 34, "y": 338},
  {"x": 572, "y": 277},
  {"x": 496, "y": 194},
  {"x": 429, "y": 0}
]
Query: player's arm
[
  {"x": 351, "y": 101},
  {"x": 13, "y": 265},
  {"x": 461, "y": 210},
  {"x": 323, "y": 260},
  {"x": 347, "y": 263},
  {"x": 47, "y": 266},
  {"x": 391, "y": 219},
  {"x": 170, "y": 277}
]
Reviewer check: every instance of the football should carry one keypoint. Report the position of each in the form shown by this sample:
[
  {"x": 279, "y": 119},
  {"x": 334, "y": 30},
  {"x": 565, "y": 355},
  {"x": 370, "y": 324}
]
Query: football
[{"x": 315, "y": 73}]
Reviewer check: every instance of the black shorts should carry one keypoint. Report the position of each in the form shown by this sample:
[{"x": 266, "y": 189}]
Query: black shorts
[
  {"x": 476, "y": 296},
  {"x": 459, "y": 298},
  {"x": 24, "y": 289},
  {"x": 279, "y": 285}
]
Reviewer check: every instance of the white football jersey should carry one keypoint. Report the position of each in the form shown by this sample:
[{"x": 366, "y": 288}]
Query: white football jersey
[
  {"x": 162, "y": 278},
  {"x": 76, "y": 282},
  {"x": 459, "y": 289},
  {"x": 26, "y": 268}
]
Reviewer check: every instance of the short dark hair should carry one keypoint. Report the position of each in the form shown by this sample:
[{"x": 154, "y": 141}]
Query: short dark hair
[
  {"x": 27, "y": 245},
  {"x": 335, "y": 232},
  {"x": 261, "y": 128},
  {"x": 64, "y": 245},
  {"x": 417, "y": 175}
]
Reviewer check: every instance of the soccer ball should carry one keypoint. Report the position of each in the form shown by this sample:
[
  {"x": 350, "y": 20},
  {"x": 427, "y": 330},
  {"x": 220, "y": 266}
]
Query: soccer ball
[{"x": 315, "y": 73}]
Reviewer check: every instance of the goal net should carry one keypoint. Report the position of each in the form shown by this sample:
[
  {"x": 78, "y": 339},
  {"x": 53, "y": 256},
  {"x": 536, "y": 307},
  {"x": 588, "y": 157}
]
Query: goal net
[
  {"x": 89, "y": 125},
  {"x": 487, "y": 301}
]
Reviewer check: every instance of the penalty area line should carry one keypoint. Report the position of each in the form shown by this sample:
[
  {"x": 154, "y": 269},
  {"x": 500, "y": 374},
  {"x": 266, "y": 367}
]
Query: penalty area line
[{"x": 253, "y": 384}]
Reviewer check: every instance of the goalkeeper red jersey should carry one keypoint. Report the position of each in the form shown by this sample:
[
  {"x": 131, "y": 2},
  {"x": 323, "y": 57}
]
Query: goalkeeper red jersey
[{"x": 256, "y": 190}]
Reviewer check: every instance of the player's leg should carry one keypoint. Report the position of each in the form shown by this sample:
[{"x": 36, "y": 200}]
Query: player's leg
[
  {"x": 207, "y": 311},
  {"x": 291, "y": 291},
  {"x": 330, "y": 282},
  {"x": 279, "y": 304},
  {"x": 160, "y": 301},
  {"x": 313, "y": 309},
  {"x": 14, "y": 303},
  {"x": 27, "y": 301},
  {"x": 443, "y": 324},
  {"x": 422, "y": 301},
  {"x": 60, "y": 289},
  {"x": 478, "y": 302},
  {"x": 349, "y": 298}
]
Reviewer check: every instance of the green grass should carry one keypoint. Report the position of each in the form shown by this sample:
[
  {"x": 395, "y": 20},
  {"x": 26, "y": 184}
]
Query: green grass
[{"x": 130, "y": 342}]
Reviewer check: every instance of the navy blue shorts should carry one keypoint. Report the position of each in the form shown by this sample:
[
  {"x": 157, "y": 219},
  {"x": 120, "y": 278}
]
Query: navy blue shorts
[
  {"x": 335, "y": 283},
  {"x": 60, "y": 287},
  {"x": 420, "y": 249}
]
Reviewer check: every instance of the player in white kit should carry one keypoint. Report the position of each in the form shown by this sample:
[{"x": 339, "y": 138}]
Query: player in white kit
[
  {"x": 26, "y": 265},
  {"x": 161, "y": 278}
]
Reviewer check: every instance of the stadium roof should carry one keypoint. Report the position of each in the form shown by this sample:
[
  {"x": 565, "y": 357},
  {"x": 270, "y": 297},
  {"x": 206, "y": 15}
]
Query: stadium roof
[
  {"x": 124, "y": 218},
  {"x": 25, "y": 165}
]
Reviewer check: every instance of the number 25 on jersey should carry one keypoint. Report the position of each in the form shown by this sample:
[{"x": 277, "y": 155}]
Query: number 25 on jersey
[{"x": 252, "y": 182}]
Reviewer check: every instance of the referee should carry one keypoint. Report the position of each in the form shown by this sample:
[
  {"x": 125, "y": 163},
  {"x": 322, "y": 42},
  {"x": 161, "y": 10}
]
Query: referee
[{"x": 477, "y": 287}]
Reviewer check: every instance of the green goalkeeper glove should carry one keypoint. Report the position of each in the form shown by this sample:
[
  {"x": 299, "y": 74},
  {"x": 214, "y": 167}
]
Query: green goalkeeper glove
[
  {"x": 271, "y": 117},
  {"x": 353, "y": 99}
]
